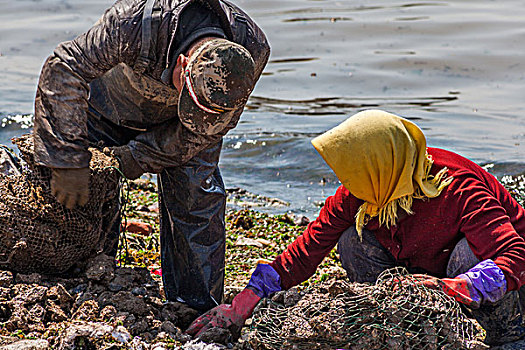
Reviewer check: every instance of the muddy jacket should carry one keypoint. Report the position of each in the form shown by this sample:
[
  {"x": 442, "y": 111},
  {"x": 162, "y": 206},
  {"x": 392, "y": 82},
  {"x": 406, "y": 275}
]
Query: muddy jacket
[
  {"x": 104, "y": 60},
  {"x": 475, "y": 205}
]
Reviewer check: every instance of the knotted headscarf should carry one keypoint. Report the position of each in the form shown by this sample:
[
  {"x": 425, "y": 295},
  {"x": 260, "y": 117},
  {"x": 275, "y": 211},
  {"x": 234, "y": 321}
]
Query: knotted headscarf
[{"x": 381, "y": 158}]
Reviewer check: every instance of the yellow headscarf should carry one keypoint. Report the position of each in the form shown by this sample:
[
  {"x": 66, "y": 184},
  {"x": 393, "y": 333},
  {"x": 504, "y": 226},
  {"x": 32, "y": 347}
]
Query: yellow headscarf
[{"x": 381, "y": 158}]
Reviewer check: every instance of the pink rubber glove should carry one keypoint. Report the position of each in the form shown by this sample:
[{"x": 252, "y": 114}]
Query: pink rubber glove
[
  {"x": 231, "y": 317},
  {"x": 457, "y": 288}
]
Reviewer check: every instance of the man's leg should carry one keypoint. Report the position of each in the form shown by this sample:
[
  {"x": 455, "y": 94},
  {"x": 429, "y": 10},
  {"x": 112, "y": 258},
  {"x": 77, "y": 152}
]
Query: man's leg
[
  {"x": 363, "y": 260},
  {"x": 502, "y": 320},
  {"x": 192, "y": 202}
]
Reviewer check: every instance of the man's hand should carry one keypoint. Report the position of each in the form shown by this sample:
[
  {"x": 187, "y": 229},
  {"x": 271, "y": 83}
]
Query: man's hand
[
  {"x": 231, "y": 317},
  {"x": 127, "y": 164},
  {"x": 70, "y": 186}
]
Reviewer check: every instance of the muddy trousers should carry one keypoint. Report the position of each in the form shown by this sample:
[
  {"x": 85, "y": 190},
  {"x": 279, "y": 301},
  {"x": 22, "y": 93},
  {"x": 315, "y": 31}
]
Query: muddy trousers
[
  {"x": 192, "y": 202},
  {"x": 364, "y": 261}
]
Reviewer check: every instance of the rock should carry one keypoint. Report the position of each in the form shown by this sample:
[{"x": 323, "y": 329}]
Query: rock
[
  {"x": 143, "y": 207},
  {"x": 81, "y": 297},
  {"x": 76, "y": 312},
  {"x": 37, "y": 327},
  {"x": 98, "y": 287},
  {"x": 159, "y": 346},
  {"x": 28, "y": 278},
  {"x": 6, "y": 278},
  {"x": 89, "y": 332},
  {"x": 78, "y": 289},
  {"x": 105, "y": 298},
  {"x": 276, "y": 202},
  {"x": 154, "y": 208},
  {"x": 88, "y": 311},
  {"x": 179, "y": 314},
  {"x": 5, "y": 311},
  {"x": 143, "y": 277},
  {"x": 121, "y": 334},
  {"x": 120, "y": 317},
  {"x": 5, "y": 294},
  {"x": 139, "y": 291},
  {"x": 29, "y": 293},
  {"x": 148, "y": 336},
  {"x": 337, "y": 287},
  {"x": 129, "y": 319},
  {"x": 278, "y": 297},
  {"x": 245, "y": 241},
  {"x": 301, "y": 220},
  {"x": 126, "y": 301},
  {"x": 243, "y": 221},
  {"x": 108, "y": 313},
  {"x": 37, "y": 313},
  {"x": 216, "y": 335},
  {"x": 138, "y": 327},
  {"x": 60, "y": 296},
  {"x": 19, "y": 319},
  {"x": 126, "y": 277},
  {"x": 156, "y": 302},
  {"x": 168, "y": 327},
  {"x": 115, "y": 287},
  {"x": 54, "y": 313},
  {"x": 169, "y": 312},
  {"x": 101, "y": 268},
  {"x": 286, "y": 218},
  {"x": 265, "y": 242},
  {"x": 140, "y": 228},
  {"x": 69, "y": 283},
  {"x": 6, "y": 340},
  {"x": 291, "y": 297},
  {"x": 199, "y": 345},
  {"x": 27, "y": 344},
  {"x": 154, "y": 323},
  {"x": 144, "y": 185},
  {"x": 138, "y": 344}
]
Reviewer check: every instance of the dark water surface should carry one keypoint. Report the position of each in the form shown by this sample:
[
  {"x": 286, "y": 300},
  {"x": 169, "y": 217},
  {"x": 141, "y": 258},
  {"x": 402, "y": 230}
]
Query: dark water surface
[{"x": 456, "y": 68}]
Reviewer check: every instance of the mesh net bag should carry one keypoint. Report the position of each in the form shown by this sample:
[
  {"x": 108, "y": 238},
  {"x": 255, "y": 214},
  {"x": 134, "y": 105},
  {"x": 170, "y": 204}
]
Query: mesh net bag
[
  {"x": 38, "y": 234},
  {"x": 396, "y": 313}
]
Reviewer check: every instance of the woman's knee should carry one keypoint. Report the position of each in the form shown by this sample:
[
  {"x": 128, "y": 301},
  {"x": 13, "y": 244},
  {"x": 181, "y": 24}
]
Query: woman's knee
[
  {"x": 363, "y": 258},
  {"x": 461, "y": 259}
]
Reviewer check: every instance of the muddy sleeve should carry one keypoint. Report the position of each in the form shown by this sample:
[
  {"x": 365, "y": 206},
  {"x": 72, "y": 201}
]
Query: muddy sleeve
[
  {"x": 60, "y": 131},
  {"x": 489, "y": 231},
  {"x": 301, "y": 258},
  {"x": 170, "y": 144}
]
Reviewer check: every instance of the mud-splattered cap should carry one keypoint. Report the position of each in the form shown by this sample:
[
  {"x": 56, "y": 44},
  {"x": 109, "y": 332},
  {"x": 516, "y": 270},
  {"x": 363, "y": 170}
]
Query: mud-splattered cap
[{"x": 217, "y": 81}]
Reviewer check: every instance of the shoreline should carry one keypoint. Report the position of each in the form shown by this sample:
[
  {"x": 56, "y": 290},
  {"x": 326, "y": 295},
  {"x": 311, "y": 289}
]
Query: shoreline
[{"x": 123, "y": 306}]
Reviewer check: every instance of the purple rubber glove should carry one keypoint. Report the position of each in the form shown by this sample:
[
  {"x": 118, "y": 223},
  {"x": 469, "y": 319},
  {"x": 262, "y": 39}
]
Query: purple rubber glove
[
  {"x": 486, "y": 282},
  {"x": 264, "y": 281}
]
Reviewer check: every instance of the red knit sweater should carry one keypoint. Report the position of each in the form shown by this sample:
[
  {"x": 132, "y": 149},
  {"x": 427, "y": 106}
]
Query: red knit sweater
[{"x": 475, "y": 205}]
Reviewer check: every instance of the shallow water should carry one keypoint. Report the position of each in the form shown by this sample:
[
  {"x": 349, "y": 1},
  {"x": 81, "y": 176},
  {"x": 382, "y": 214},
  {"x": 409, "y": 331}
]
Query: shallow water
[{"x": 456, "y": 68}]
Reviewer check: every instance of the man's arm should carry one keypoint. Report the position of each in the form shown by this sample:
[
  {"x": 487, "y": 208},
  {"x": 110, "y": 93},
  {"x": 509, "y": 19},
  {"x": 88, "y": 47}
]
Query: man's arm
[
  {"x": 170, "y": 144},
  {"x": 60, "y": 131}
]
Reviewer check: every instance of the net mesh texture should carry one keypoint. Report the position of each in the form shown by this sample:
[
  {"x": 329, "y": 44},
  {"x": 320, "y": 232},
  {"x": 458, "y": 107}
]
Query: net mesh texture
[
  {"x": 37, "y": 233},
  {"x": 395, "y": 313}
]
